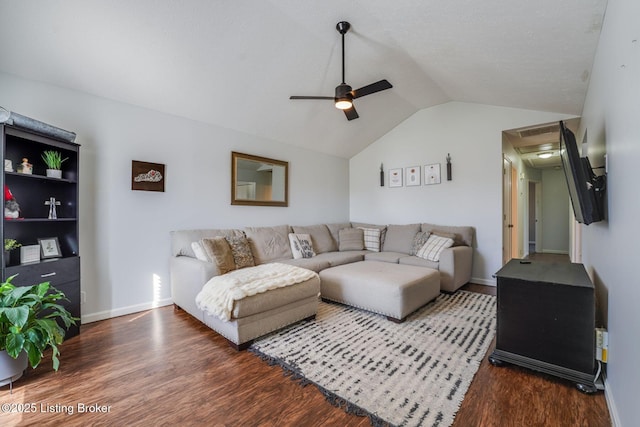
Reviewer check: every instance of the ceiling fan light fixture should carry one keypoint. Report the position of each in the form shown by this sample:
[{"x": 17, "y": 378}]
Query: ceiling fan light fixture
[
  {"x": 343, "y": 103},
  {"x": 545, "y": 155}
]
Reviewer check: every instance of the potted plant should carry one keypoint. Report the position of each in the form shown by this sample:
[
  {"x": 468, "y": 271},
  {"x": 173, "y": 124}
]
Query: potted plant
[
  {"x": 9, "y": 245},
  {"x": 53, "y": 160},
  {"x": 29, "y": 317}
]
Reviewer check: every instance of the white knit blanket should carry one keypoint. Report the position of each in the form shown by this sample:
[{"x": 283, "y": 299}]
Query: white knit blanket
[{"x": 220, "y": 293}]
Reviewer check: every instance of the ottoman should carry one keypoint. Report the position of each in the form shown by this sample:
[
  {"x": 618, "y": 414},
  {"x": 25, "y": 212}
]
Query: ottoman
[
  {"x": 260, "y": 314},
  {"x": 393, "y": 290}
]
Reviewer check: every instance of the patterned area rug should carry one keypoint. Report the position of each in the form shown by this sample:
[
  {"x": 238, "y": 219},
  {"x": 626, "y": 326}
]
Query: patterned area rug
[{"x": 411, "y": 374}]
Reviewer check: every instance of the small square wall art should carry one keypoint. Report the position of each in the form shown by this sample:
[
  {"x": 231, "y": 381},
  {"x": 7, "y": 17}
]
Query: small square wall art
[{"x": 147, "y": 176}]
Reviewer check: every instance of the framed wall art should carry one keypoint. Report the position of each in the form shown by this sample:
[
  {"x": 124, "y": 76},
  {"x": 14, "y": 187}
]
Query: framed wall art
[
  {"x": 395, "y": 177},
  {"x": 412, "y": 175},
  {"x": 49, "y": 248},
  {"x": 432, "y": 174},
  {"x": 147, "y": 176}
]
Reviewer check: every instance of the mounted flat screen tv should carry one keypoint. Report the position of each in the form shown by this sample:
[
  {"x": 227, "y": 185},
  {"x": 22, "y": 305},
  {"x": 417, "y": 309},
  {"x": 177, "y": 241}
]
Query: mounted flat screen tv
[{"x": 586, "y": 190}]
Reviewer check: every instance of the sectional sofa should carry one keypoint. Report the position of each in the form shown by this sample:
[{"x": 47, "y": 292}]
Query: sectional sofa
[{"x": 338, "y": 252}]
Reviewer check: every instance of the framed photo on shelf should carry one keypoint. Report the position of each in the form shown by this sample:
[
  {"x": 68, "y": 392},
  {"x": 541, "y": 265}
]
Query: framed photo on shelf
[
  {"x": 49, "y": 248},
  {"x": 432, "y": 174},
  {"x": 412, "y": 175},
  {"x": 395, "y": 177},
  {"x": 29, "y": 253}
]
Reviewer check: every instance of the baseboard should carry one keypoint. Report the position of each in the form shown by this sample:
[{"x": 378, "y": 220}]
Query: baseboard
[
  {"x": 613, "y": 411},
  {"x": 479, "y": 281},
  {"x": 108, "y": 314}
]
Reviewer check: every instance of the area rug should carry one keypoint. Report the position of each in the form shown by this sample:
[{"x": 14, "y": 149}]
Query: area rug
[{"x": 411, "y": 374}]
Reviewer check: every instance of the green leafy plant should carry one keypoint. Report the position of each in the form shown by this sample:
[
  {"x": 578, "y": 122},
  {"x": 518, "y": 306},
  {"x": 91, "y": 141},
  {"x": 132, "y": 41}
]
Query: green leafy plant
[
  {"x": 11, "y": 244},
  {"x": 28, "y": 323},
  {"x": 53, "y": 159}
]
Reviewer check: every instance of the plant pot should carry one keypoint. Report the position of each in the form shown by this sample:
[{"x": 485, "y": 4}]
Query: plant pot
[
  {"x": 7, "y": 258},
  {"x": 11, "y": 369},
  {"x": 54, "y": 173}
]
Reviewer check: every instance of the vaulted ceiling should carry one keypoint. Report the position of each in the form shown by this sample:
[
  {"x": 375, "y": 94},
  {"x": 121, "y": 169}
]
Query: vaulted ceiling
[{"x": 235, "y": 63}]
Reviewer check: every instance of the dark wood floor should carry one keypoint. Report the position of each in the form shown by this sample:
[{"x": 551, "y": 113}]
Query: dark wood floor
[{"x": 162, "y": 367}]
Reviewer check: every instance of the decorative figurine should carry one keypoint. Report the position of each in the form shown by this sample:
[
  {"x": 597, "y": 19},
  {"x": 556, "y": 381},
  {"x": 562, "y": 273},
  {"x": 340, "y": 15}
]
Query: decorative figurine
[
  {"x": 381, "y": 175},
  {"x": 448, "y": 167},
  {"x": 25, "y": 166},
  {"x": 52, "y": 203},
  {"x": 11, "y": 207}
]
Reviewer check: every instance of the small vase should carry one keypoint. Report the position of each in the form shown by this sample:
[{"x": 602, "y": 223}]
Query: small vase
[{"x": 54, "y": 173}]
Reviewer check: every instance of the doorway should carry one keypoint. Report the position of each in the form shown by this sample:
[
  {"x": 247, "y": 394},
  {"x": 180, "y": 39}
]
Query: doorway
[
  {"x": 534, "y": 217},
  {"x": 509, "y": 211}
]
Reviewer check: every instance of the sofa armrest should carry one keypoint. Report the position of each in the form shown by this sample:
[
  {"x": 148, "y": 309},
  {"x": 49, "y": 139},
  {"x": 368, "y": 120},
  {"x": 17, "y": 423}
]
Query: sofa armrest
[
  {"x": 188, "y": 276},
  {"x": 455, "y": 267}
]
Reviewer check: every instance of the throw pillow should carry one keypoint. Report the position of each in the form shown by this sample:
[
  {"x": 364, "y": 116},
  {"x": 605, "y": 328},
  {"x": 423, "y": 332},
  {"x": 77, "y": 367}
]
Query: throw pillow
[
  {"x": 219, "y": 251},
  {"x": 457, "y": 239},
  {"x": 371, "y": 238},
  {"x": 301, "y": 245},
  {"x": 351, "y": 239},
  {"x": 419, "y": 240},
  {"x": 198, "y": 250},
  {"x": 241, "y": 252},
  {"x": 434, "y": 247}
]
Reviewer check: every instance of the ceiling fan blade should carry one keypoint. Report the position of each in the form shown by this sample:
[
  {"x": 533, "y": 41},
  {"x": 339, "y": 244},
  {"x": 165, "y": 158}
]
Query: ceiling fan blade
[
  {"x": 372, "y": 88},
  {"x": 312, "y": 97},
  {"x": 351, "y": 113}
]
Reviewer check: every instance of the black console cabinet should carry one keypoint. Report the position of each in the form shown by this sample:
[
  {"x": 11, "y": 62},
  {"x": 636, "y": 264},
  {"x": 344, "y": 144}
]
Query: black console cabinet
[
  {"x": 546, "y": 320},
  {"x": 31, "y": 191}
]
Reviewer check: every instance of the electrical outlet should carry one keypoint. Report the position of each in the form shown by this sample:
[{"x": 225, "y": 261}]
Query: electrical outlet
[{"x": 83, "y": 297}]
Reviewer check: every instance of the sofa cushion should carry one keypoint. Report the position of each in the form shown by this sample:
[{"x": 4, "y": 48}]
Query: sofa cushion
[
  {"x": 181, "y": 240},
  {"x": 420, "y": 262},
  {"x": 301, "y": 246},
  {"x": 385, "y": 256},
  {"x": 419, "y": 240},
  {"x": 316, "y": 263},
  {"x": 241, "y": 251},
  {"x": 219, "y": 251},
  {"x": 339, "y": 258},
  {"x": 269, "y": 243},
  {"x": 434, "y": 246},
  {"x": 371, "y": 239},
  {"x": 399, "y": 238},
  {"x": 464, "y": 233},
  {"x": 351, "y": 239},
  {"x": 320, "y": 237}
]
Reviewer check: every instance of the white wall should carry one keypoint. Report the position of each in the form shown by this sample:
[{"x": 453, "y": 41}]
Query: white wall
[
  {"x": 555, "y": 212},
  {"x": 124, "y": 234},
  {"x": 472, "y": 134},
  {"x": 610, "y": 248}
]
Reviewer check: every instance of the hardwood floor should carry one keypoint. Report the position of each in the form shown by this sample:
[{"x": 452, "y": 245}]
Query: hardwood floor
[{"x": 162, "y": 367}]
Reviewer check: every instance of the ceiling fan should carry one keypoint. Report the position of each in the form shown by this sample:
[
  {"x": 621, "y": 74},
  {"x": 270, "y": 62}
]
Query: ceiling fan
[{"x": 344, "y": 94}]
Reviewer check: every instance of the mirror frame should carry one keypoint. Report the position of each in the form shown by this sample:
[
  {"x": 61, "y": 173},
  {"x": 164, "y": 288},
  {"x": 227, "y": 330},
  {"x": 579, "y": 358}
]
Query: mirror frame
[{"x": 235, "y": 156}]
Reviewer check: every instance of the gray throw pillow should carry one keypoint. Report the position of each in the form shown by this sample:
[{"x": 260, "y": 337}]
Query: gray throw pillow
[{"x": 351, "y": 239}]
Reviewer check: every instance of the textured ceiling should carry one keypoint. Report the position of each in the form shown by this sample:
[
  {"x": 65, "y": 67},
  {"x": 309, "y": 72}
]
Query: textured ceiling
[{"x": 235, "y": 63}]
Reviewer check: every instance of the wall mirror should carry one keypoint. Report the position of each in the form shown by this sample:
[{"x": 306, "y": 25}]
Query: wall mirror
[{"x": 259, "y": 181}]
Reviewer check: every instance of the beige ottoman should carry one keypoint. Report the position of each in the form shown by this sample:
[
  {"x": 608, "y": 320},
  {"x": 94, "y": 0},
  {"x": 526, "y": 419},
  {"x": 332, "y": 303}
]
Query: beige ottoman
[
  {"x": 260, "y": 314},
  {"x": 394, "y": 290}
]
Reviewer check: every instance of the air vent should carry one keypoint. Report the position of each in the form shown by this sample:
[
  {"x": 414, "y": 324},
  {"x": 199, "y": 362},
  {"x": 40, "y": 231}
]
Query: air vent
[{"x": 527, "y": 133}]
